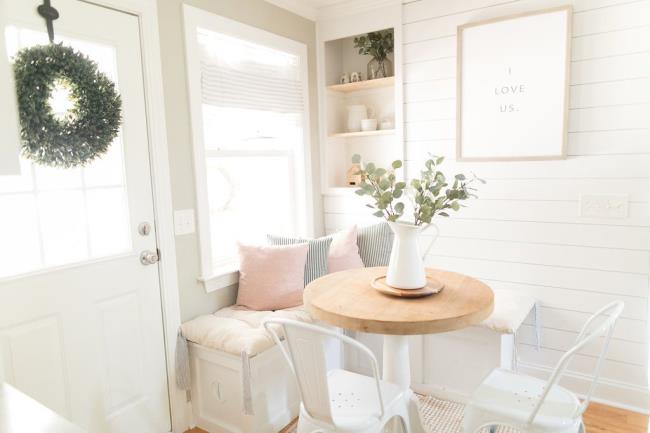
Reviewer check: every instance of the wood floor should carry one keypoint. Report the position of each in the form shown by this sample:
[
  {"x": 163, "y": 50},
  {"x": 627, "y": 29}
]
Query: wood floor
[{"x": 599, "y": 419}]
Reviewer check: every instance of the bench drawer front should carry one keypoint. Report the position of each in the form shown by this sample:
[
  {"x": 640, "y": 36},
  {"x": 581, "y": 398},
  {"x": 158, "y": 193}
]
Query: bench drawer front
[{"x": 217, "y": 394}]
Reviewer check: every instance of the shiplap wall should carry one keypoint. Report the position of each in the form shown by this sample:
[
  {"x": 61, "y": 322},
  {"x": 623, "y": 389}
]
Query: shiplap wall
[{"x": 525, "y": 232}]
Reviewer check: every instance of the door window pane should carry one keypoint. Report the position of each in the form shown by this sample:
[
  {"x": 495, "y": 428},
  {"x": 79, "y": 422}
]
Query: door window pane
[
  {"x": 20, "y": 249},
  {"x": 63, "y": 227},
  {"x": 55, "y": 216},
  {"x": 108, "y": 220},
  {"x": 54, "y": 178}
]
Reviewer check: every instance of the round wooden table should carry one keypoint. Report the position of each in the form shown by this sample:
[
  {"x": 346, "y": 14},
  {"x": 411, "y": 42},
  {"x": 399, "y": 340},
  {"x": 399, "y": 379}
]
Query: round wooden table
[{"x": 347, "y": 300}]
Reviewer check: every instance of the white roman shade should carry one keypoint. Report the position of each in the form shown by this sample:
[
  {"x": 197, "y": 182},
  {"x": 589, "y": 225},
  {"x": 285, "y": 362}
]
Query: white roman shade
[{"x": 239, "y": 74}]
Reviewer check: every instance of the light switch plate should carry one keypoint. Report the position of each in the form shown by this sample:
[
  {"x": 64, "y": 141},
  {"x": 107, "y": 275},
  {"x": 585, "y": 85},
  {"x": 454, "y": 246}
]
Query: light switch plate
[
  {"x": 184, "y": 222},
  {"x": 604, "y": 205}
]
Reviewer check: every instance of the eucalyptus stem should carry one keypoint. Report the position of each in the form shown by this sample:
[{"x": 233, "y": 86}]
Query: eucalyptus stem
[{"x": 430, "y": 194}]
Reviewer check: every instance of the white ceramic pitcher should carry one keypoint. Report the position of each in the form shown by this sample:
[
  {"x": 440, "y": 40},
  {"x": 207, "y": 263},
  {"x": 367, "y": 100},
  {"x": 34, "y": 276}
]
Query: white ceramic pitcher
[{"x": 406, "y": 267}]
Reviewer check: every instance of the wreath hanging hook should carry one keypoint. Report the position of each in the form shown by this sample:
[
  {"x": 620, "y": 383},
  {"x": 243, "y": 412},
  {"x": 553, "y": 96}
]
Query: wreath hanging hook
[{"x": 49, "y": 13}]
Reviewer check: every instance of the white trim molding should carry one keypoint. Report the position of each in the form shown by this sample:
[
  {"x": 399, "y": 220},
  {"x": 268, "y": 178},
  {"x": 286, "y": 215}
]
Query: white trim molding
[
  {"x": 10, "y": 148},
  {"x": 147, "y": 13}
]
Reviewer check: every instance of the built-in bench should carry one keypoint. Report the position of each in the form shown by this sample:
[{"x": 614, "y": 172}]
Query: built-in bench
[
  {"x": 455, "y": 363},
  {"x": 240, "y": 382}
]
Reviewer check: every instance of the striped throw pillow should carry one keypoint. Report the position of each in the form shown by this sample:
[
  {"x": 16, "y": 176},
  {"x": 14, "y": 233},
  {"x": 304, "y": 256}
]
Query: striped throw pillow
[
  {"x": 375, "y": 244},
  {"x": 316, "y": 265}
]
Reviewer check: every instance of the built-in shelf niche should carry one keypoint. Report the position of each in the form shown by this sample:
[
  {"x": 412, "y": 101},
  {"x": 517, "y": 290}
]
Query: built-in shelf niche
[{"x": 382, "y": 96}]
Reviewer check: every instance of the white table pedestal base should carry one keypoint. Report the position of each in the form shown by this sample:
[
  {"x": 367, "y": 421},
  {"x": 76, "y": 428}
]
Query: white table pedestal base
[
  {"x": 397, "y": 369},
  {"x": 397, "y": 363}
]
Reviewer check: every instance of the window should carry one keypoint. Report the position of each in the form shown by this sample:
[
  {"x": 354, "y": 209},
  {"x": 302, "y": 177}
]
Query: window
[
  {"x": 52, "y": 216},
  {"x": 248, "y": 96}
]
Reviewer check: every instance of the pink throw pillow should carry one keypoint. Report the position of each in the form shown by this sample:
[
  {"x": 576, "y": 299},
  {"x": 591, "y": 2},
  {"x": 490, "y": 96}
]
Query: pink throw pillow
[
  {"x": 344, "y": 251},
  {"x": 271, "y": 277}
]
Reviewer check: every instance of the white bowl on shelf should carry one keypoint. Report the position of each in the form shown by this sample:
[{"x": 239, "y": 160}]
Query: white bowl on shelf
[{"x": 369, "y": 125}]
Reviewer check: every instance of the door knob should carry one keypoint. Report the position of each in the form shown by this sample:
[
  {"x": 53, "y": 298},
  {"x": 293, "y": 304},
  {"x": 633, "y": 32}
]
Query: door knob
[{"x": 149, "y": 257}]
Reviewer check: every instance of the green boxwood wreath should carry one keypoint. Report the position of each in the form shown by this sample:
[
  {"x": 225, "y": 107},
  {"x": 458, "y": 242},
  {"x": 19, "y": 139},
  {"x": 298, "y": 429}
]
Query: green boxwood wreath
[{"x": 89, "y": 127}]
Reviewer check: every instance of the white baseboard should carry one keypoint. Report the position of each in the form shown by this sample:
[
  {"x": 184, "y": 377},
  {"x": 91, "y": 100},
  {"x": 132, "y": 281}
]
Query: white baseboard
[{"x": 438, "y": 392}]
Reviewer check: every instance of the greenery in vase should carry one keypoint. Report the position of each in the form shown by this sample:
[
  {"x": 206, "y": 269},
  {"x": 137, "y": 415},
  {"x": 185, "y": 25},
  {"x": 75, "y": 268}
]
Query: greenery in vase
[
  {"x": 377, "y": 44},
  {"x": 430, "y": 194}
]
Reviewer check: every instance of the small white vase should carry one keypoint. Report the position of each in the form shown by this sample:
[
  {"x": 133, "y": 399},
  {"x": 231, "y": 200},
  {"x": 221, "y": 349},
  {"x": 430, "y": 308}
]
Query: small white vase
[
  {"x": 406, "y": 266},
  {"x": 356, "y": 113}
]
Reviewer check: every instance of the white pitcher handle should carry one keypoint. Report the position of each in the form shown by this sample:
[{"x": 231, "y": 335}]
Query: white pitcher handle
[{"x": 433, "y": 241}]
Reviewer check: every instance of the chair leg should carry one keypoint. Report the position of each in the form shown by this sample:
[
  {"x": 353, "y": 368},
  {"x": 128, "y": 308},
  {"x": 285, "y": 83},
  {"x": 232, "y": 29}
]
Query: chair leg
[
  {"x": 396, "y": 424},
  {"x": 413, "y": 416},
  {"x": 304, "y": 426},
  {"x": 405, "y": 421},
  {"x": 476, "y": 424}
]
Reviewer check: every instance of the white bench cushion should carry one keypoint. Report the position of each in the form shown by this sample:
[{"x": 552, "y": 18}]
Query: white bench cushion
[
  {"x": 510, "y": 311},
  {"x": 237, "y": 330}
]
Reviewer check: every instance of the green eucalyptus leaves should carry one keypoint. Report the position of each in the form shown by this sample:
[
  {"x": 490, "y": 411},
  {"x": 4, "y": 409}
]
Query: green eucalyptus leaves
[
  {"x": 376, "y": 44},
  {"x": 430, "y": 194}
]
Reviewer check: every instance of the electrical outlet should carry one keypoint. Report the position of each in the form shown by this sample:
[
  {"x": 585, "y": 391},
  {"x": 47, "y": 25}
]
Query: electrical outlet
[
  {"x": 184, "y": 222},
  {"x": 604, "y": 205}
]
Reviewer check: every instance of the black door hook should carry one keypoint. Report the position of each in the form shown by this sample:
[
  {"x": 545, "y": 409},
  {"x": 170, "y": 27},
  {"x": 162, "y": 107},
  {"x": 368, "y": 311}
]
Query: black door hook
[{"x": 49, "y": 14}]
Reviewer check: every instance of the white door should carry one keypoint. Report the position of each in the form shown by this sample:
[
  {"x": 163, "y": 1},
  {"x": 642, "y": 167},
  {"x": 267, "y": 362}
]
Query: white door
[{"x": 80, "y": 315}]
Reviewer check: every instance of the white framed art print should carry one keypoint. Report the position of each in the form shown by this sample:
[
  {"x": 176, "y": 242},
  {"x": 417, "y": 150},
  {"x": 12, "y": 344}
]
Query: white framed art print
[{"x": 512, "y": 87}]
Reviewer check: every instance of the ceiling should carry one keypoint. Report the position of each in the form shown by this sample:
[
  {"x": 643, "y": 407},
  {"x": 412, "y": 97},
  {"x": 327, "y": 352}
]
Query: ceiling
[
  {"x": 305, "y": 8},
  {"x": 322, "y": 3}
]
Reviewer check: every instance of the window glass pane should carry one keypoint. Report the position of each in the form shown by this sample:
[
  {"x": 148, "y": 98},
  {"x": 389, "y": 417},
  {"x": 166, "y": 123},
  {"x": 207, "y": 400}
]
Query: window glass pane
[
  {"x": 108, "y": 221},
  {"x": 109, "y": 169},
  {"x": 52, "y": 178},
  {"x": 22, "y": 182},
  {"x": 249, "y": 197},
  {"x": 20, "y": 249},
  {"x": 63, "y": 227},
  {"x": 103, "y": 55},
  {"x": 245, "y": 129}
]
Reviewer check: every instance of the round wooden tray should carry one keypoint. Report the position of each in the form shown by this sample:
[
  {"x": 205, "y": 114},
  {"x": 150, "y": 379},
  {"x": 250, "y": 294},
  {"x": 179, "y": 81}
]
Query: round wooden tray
[{"x": 433, "y": 286}]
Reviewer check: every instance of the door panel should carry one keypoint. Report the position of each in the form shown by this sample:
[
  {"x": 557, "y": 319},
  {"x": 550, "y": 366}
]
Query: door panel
[{"x": 80, "y": 316}]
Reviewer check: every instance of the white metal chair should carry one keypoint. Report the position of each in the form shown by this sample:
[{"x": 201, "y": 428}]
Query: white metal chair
[
  {"x": 336, "y": 400},
  {"x": 532, "y": 405}
]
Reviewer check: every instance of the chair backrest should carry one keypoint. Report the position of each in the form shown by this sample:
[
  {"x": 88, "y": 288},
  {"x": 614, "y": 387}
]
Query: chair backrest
[
  {"x": 305, "y": 353},
  {"x": 600, "y": 324}
]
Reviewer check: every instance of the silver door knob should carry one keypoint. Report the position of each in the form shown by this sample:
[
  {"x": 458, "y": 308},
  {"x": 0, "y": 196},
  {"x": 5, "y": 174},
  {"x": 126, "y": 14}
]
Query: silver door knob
[{"x": 149, "y": 257}]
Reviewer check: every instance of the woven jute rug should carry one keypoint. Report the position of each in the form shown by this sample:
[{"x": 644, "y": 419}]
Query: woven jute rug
[{"x": 437, "y": 416}]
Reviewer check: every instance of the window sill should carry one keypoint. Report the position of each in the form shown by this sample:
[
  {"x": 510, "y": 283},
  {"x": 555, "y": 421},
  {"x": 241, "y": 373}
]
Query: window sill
[{"x": 220, "y": 280}]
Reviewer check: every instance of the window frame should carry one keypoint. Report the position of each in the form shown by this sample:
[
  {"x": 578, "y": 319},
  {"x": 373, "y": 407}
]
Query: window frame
[{"x": 218, "y": 278}]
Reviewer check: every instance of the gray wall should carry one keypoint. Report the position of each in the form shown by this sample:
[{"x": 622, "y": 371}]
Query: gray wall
[{"x": 193, "y": 299}]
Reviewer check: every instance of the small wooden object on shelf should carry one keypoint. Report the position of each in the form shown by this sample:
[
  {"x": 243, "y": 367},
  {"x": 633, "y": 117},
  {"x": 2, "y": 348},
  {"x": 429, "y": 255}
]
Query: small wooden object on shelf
[{"x": 354, "y": 178}]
